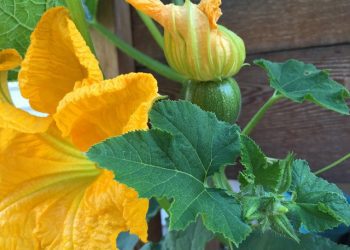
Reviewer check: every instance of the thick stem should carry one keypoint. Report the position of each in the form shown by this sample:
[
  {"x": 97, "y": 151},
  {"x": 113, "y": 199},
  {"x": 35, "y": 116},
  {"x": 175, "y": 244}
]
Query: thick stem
[
  {"x": 153, "y": 29},
  {"x": 78, "y": 15},
  {"x": 260, "y": 114},
  {"x": 334, "y": 164},
  {"x": 139, "y": 56}
]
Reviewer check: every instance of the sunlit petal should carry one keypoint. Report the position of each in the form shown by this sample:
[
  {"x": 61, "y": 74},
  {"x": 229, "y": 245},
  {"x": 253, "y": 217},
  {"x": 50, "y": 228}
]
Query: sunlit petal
[
  {"x": 9, "y": 59},
  {"x": 56, "y": 59},
  {"x": 93, "y": 113},
  {"x": 17, "y": 119},
  {"x": 212, "y": 9},
  {"x": 52, "y": 197}
]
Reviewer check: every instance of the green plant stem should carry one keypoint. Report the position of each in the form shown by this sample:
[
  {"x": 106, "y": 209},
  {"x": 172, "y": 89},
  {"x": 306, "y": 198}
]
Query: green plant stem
[
  {"x": 78, "y": 15},
  {"x": 178, "y": 2},
  {"x": 153, "y": 29},
  {"x": 220, "y": 180},
  {"x": 260, "y": 114},
  {"x": 334, "y": 164},
  {"x": 138, "y": 56}
]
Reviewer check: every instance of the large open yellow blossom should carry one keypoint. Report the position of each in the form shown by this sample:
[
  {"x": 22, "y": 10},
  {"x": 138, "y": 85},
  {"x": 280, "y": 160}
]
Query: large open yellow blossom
[
  {"x": 51, "y": 195},
  {"x": 195, "y": 45}
]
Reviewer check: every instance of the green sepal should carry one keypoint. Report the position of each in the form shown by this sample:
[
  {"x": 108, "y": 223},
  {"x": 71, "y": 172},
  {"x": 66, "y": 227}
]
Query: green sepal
[{"x": 282, "y": 225}]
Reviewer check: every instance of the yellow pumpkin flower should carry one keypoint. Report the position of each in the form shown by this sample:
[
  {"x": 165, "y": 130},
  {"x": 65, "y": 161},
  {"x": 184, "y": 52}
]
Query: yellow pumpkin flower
[
  {"x": 51, "y": 195},
  {"x": 194, "y": 44}
]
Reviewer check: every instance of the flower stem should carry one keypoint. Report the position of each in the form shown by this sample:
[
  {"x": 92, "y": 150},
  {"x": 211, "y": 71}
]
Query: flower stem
[
  {"x": 138, "y": 56},
  {"x": 153, "y": 29},
  {"x": 78, "y": 15},
  {"x": 260, "y": 114},
  {"x": 332, "y": 165}
]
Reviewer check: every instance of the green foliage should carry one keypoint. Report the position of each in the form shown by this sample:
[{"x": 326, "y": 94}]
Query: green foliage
[
  {"x": 273, "y": 175},
  {"x": 317, "y": 204},
  {"x": 176, "y": 159},
  {"x": 195, "y": 237},
  {"x": 272, "y": 241},
  {"x": 173, "y": 160},
  {"x": 299, "y": 81}
]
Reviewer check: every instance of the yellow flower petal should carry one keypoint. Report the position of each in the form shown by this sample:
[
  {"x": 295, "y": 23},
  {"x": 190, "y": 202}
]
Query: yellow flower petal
[
  {"x": 52, "y": 197},
  {"x": 9, "y": 59},
  {"x": 212, "y": 9},
  {"x": 153, "y": 8},
  {"x": 17, "y": 119},
  {"x": 56, "y": 59},
  {"x": 93, "y": 113}
]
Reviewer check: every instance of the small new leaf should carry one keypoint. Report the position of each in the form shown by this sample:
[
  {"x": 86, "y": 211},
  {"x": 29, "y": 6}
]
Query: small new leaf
[
  {"x": 299, "y": 82},
  {"x": 318, "y": 204},
  {"x": 175, "y": 162},
  {"x": 273, "y": 175}
]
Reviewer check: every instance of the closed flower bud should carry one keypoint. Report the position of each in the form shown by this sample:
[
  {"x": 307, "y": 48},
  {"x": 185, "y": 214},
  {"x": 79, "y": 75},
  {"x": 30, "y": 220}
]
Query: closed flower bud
[{"x": 194, "y": 44}]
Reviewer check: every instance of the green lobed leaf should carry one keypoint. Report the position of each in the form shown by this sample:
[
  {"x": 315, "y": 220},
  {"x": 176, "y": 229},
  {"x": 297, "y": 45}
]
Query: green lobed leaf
[
  {"x": 214, "y": 142},
  {"x": 269, "y": 240},
  {"x": 175, "y": 162},
  {"x": 273, "y": 175},
  {"x": 318, "y": 204},
  {"x": 194, "y": 237},
  {"x": 299, "y": 81}
]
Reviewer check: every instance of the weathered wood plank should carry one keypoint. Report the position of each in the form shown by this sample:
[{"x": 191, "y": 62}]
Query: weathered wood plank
[
  {"x": 124, "y": 31},
  {"x": 270, "y": 25},
  {"x": 311, "y": 132},
  {"x": 106, "y": 52}
]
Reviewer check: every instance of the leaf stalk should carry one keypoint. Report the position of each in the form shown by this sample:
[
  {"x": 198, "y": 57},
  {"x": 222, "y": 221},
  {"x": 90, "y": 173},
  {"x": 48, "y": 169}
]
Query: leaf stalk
[
  {"x": 78, "y": 15},
  {"x": 332, "y": 165},
  {"x": 138, "y": 56},
  {"x": 153, "y": 29},
  {"x": 260, "y": 114}
]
